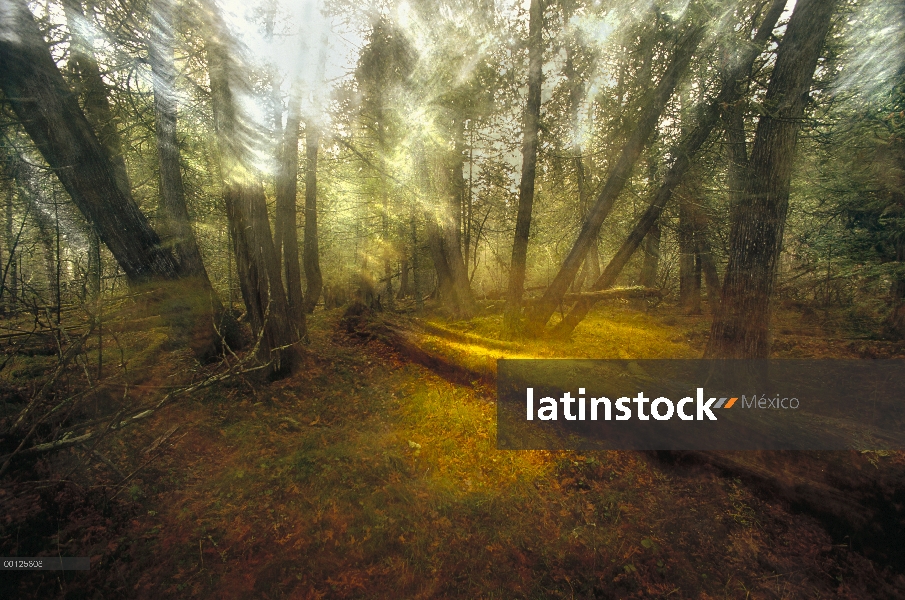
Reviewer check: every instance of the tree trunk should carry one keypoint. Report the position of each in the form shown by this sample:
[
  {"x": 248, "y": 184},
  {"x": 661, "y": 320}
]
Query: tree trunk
[
  {"x": 11, "y": 279},
  {"x": 651, "y": 256},
  {"x": 543, "y": 310},
  {"x": 742, "y": 327},
  {"x": 246, "y": 209},
  {"x": 445, "y": 286},
  {"x": 416, "y": 272},
  {"x": 286, "y": 223},
  {"x": 894, "y": 326},
  {"x": 174, "y": 222},
  {"x": 51, "y": 116},
  {"x": 689, "y": 283},
  {"x": 455, "y": 191},
  {"x": 512, "y": 318},
  {"x": 91, "y": 88},
  {"x": 708, "y": 117},
  {"x": 313, "y": 278}
]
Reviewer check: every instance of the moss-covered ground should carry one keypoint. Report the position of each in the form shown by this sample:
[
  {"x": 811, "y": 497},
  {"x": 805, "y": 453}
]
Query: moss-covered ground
[{"x": 368, "y": 476}]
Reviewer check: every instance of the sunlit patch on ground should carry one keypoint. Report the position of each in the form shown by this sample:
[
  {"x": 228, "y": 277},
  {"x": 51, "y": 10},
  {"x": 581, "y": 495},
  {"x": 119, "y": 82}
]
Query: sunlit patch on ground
[{"x": 370, "y": 477}]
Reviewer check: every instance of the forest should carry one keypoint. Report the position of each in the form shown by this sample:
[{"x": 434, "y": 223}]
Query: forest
[{"x": 259, "y": 260}]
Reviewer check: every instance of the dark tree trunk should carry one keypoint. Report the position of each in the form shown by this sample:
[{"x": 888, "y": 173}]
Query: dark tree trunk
[
  {"x": 707, "y": 120},
  {"x": 90, "y": 87},
  {"x": 651, "y": 262},
  {"x": 246, "y": 209},
  {"x": 512, "y": 318},
  {"x": 590, "y": 269},
  {"x": 894, "y": 326},
  {"x": 742, "y": 327},
  {"x": 173, "y": 216},
  {"x": 445, "y": 286},
  {"x": 689, "y": 283},
  {"x": 455, "y": 192},
  {"x": 10, "y": 271},
  {"x": 313, "y": 278},
  {"x": 416, "y": 272},
  {"x": 405, "y": 287},
  {"x": 51, "y": 116},
  {"x": 286, "y": 223},
  {"x": 544, "y": 308},
  {"x": 704, "y": 263}
]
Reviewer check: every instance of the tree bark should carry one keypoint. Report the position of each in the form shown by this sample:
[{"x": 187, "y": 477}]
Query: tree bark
[
  {"x": 708, "y": 118},
  {"x": 313, "y": 278},
  {"x": 542, "y": 311},
  {"x": 741, "y": 329},
  {"x": 33, "y": 86},
  {"x": 246, "y": 209},
  {"x": 175, "y": 224},
  {"x": 91, "y": 88},
  {"x": 512, "y": 318},
  {"x": 651, "y": 262},
  {"x": 689, "y": 283},
  {"x": 455, "y": 192},
  {"x": 286, "y": 224}
]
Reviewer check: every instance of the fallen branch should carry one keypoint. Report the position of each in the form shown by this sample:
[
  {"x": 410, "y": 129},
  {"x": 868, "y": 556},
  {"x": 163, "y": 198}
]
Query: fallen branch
[{"x": 629, "y": 292}]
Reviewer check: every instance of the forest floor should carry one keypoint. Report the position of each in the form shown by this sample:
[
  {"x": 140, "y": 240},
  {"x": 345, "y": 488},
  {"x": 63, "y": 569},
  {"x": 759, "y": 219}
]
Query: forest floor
[{"x": 366, "y": 475}]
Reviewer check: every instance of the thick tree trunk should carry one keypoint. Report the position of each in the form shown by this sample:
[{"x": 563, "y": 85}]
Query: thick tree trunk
[
  {"x": 286, "y": 223},
  {"x": 246, "y": 209},
  {"x": 175, "y": 225},
  {"x": 90, "y": 87},
  {"x": 708, "y": 118},
  {"x": 455, "y": 191},
  {"x": 313, "y": 279},
  {"x": 445, "y": 286},
  {"x": 742, "y": 327},
  {"x": 512, "y": 318},
  {"x": 51, "y": 116},
  {"x": 543, "y": 310}
]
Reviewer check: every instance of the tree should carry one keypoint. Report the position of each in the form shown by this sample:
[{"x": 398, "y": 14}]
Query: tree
[
  {"x": 512, "y": 318},
  {"x": 286, "y": 198},
  {"x": 543, "y": 309},
  {"x": 173, "y": 215},
  {"x": 256, "y": 261},
  {"x": 741, "y": 329},
  {"x": 50, "y": 114},
  {"x": 313, "y": 276},
  {"x": 708, "y": 117}
]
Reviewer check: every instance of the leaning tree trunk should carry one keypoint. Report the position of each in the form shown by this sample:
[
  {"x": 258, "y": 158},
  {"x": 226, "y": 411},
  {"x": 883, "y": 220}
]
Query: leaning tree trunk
[
  {"x": 313, "y": 277},
  {"x": 742, "y": 327},
  {"x": 92, "y": 90},
  {"x": 246, "y": 210},
  {"x": 512, "y": 318},
  {"x": 49, "y": 112},
  {"x": 708, "y": 117},
  {"x": 542, "y": 310}
]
